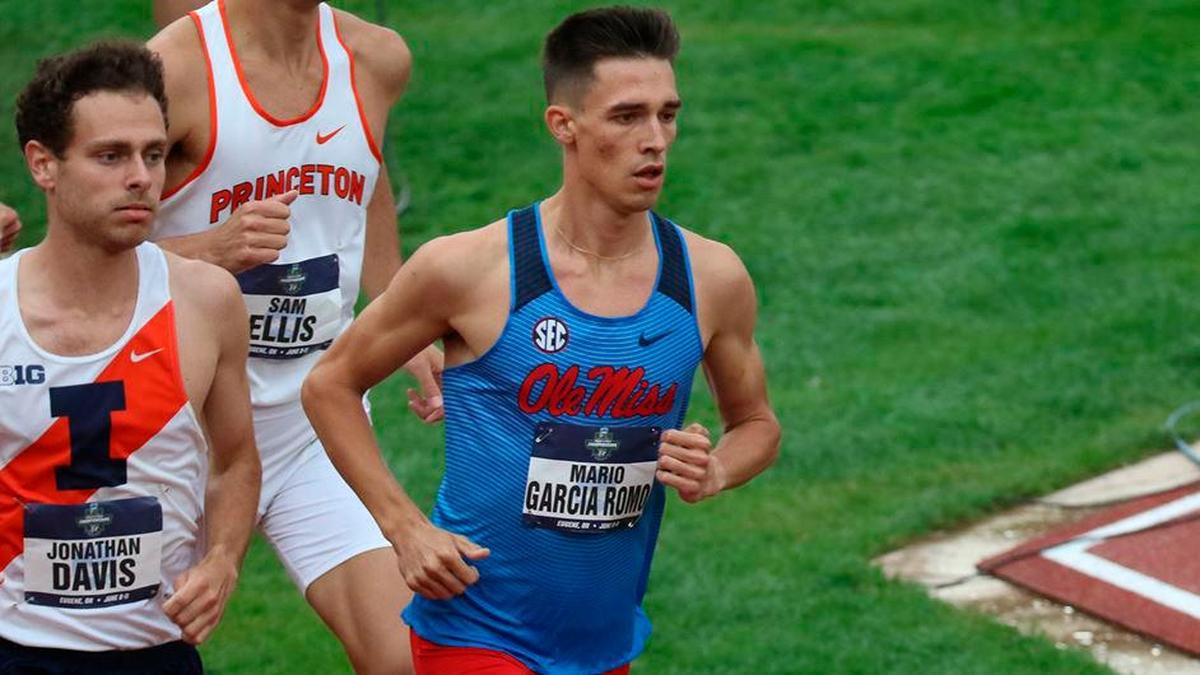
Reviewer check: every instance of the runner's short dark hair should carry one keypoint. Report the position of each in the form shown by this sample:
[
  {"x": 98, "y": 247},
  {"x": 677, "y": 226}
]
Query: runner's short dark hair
[
  {"x": 575, "y": 45},
  {"x": 45, "y": 105}
]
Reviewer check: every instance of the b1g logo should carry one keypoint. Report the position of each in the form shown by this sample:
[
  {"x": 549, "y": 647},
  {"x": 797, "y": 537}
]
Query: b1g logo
[
  {"x": 550, "y": 335},
  {"x": 18, "y": 375}
]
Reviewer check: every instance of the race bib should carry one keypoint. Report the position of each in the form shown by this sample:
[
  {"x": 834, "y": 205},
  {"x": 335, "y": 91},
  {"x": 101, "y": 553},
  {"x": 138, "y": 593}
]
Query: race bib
[
  {"x": 295, "y": 308},
  {"x": 98, "y": 554},
  {"x": 589, "y": 479}
]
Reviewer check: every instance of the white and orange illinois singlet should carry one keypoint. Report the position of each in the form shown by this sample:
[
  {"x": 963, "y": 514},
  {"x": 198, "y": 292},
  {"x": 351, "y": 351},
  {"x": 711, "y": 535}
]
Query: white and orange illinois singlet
[
  {"x": 101, "y": 478},
  {"x": 300, "y": 303}
]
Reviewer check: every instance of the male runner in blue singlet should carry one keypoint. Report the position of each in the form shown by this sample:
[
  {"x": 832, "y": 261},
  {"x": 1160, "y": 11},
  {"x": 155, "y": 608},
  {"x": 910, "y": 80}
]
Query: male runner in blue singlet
[{"x": 572, "y": 331}]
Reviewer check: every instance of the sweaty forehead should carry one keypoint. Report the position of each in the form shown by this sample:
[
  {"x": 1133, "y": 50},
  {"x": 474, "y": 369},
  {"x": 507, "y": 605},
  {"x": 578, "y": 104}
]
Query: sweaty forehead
[{"x": 649, "y": 81}]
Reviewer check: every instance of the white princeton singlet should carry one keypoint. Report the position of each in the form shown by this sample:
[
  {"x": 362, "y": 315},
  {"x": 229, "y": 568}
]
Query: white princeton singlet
[
  {"x": 101, "y": 478},
  {"x": 300, "y": 303}
]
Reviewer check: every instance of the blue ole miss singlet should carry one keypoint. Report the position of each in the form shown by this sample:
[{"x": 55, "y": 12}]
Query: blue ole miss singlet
[{"x": 551, "y": 445}]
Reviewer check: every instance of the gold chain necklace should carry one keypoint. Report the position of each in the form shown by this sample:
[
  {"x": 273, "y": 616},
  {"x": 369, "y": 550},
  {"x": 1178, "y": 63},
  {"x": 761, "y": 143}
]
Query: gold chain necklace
[{"x": 580, "y": 249}]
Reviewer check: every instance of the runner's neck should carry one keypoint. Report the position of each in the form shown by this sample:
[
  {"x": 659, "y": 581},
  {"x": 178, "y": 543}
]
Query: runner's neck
[
  {"x": 592, "y": 228},
  {"x": 276, "y": 30},
  {"x": 75, "y": 274}
]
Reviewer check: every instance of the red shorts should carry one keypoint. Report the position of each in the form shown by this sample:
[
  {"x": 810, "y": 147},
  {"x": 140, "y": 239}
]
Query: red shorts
[{"x": 430, "y": 658}]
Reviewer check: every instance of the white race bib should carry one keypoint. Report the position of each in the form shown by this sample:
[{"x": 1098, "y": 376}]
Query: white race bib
[
  {"x": 97, "y": 554},
  {"x": 295, "y": 308},
  {"x": 589, "y": 479}
]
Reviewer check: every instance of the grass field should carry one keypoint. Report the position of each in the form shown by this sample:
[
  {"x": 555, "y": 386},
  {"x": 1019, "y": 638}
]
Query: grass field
[{"x": 974, "y": 230}]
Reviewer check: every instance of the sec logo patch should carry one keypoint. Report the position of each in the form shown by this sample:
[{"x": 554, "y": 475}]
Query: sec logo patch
[{"x": 550, "y": 335}]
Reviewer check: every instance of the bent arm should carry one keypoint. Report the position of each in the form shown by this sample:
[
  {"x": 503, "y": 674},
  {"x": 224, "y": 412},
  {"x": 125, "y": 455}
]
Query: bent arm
[
  {"x": 401, "y": 322},
  {"x": 384, "y": 67},
  {"x": 199, "y": 246},
  {"x": 382, "y": 256},
  {"x": 203, "y": 590},
  {"x": 235, "y": 472},
  {"x": 737, "y": 378},
  {"x": 254, "y": 232}
]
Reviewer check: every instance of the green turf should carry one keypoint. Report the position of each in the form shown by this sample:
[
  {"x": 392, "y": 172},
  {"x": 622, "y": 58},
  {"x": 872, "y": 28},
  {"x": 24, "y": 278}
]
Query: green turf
[{"x": 973, "y": 227}]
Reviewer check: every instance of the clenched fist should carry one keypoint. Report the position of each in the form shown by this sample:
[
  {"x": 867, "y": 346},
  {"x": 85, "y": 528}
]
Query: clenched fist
[
  {"x": 686, "y": 463},
  {"x": 254, "y": 235}
]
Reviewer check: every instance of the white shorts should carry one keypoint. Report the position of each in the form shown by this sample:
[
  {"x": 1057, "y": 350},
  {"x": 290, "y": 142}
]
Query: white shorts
[{"x": 310, "y": 515}]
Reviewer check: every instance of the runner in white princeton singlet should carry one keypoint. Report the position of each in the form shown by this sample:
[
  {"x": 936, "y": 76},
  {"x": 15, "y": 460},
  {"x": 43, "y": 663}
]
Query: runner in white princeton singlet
[
  {"x": 86, "y": 566},
  {"x": 328, "y": 156},
  {"x": 300, "y": 303}
]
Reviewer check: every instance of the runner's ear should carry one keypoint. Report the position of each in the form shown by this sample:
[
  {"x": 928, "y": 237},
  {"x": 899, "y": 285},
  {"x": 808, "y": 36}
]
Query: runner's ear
[
  {"x": 42, "y": 163},
  {"x": 561, "y": 124}
]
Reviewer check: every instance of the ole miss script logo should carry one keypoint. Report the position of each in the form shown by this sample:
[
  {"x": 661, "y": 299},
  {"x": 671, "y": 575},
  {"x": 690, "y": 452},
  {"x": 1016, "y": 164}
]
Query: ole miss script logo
[{"x": 616, "y": 392}]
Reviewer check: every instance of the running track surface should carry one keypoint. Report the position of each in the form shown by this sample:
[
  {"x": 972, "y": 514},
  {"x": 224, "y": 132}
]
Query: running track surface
[{"x": 1136, "y": 565}]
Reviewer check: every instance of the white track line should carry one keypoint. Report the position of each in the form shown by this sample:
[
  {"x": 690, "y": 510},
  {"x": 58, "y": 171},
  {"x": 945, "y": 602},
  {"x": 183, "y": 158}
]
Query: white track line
[{"x": 1074, "y": 554}]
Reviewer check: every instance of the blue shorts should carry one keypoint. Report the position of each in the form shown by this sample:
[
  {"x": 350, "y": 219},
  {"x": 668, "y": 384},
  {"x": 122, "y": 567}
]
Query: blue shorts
[{"x": 170, "y": 658}]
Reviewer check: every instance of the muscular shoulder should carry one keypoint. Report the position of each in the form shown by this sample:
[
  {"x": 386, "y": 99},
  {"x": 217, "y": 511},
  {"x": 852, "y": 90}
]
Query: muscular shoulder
[
  {"x": 208, "y": 290},
  {"x": 462, "y": 258},
  {"x": 724, "y": 291},
  {"x": 178, "y": 45},
  {"x": 456, "y": 269},
  {"x": 379, "y": 53},
  {"x": 184, "y": 74},
  {"x": 717, "y": 269}
]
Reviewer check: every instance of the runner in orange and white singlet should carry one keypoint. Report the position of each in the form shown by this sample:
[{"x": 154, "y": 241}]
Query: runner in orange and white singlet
[
  {"x": 128, "y": 473},
  {"x": 275, "y": 173}
]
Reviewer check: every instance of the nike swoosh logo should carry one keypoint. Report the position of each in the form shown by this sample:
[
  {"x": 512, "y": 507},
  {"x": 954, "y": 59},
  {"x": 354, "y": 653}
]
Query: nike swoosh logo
[
  {"x": 138, "y": 358},
  {"x": 647, "y": 341},
  {"x": 322, "y": 139}
]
